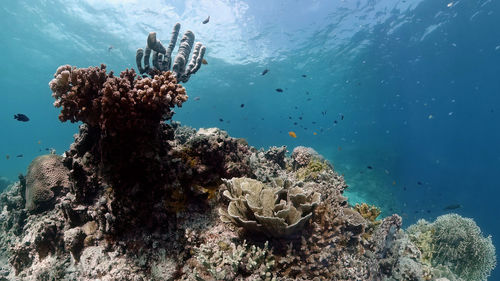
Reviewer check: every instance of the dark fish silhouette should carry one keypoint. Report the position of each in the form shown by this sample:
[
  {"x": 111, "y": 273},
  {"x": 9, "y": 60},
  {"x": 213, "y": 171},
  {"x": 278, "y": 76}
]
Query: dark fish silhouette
[
  {"x": 204, "y": 61},
  {"x": 221, "y": 120},
  {"x": 369, "y": 167},
  {"x": 452, "y": 207},
  {"x": 279, "y": 90},
  {"x": 419, "y": 182},
  {"x": 206, "y": 21},
  {"x": 110, "y": 48},
  {"x": 303, "y": 75},
  {"x": 265, "y": 71},
  {"x": 341, "y": 117},
  {"x": 21, "y": 117},
  {"x": 19, "y": 155},
  {"x": 242, "y": 105}
]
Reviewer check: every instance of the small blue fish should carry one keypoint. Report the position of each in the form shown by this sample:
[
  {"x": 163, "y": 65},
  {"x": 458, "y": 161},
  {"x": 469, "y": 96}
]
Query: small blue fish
[
  {"x": 206, "y": 21},
  {"x": 21, "y": 117},
  {"x": 452, "y": 207},
  {"x": 265, "y": 71}
]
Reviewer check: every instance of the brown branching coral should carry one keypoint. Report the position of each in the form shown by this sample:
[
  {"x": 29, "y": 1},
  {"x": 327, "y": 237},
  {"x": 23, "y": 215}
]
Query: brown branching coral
[{"x": 115, "y": 104}]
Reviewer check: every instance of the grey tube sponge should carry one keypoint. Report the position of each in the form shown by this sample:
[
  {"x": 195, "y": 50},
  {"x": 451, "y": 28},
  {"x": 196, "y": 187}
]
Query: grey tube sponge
[
  {"x": 275, "y": 212},
  {"x": 162, "y": 57}
]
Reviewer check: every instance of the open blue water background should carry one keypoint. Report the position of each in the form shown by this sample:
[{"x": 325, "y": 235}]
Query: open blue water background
[{"x": 418, "y": 84}]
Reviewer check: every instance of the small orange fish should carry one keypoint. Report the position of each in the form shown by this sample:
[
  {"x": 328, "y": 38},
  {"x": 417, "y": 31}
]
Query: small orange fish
[
  {"x": 204, "y": 61},
  {"x": 315, "y": 133},
  {"x": 7, "y": 156},
  {"x": 292, "y": 134}
]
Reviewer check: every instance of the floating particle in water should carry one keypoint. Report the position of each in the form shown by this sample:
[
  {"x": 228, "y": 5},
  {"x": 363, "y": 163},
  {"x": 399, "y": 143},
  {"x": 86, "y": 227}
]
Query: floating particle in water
[
  {"x": 339, "y": 148},
  {"x": 265, "y": 71},
  {"x": 341, "y": 116},
  {"x": 39, "y": 142},
  {"x": 307, "y": 93},
  {"x": 295, "y": 123},
  {"x": 449, "y": 4},
  {"x": 221, "y": 120},
  {"x": 196, "y": 98},
  {"x": 313, "y": 122},
  {"x": 386, "y": 171},
  {"x": 242, "y": 105},
  {"x": 204, "y": 61},
  {"x": 206, "y": 20},
  {"x": 7, "y": 156},
  {"x": 419, "y": 182},
  {"x": 393, "y": 182},
  {"x": 303, "y": 75},
  {"x": 292, "y": 134},
  {"x": 430, "y": 116},
  {"x": 296, "y": 107},
  {"x": 279, "y": 90},
  {"x": 110, "y": 48},
  {"x": 369, "y": 167},
  {"x": 450, "y": 113},
  {"x": 308, "y": 99}
]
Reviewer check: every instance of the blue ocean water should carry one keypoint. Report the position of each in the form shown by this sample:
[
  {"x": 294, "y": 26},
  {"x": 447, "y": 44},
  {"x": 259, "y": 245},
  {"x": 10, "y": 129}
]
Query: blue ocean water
[{"x": 403, "y": 97}]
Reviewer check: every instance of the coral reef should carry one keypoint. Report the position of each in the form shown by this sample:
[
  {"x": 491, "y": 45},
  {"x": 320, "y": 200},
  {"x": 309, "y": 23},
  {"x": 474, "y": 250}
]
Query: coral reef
[
  {"x": 162, "y": 58},
  {"x": 135, "y": 198}
]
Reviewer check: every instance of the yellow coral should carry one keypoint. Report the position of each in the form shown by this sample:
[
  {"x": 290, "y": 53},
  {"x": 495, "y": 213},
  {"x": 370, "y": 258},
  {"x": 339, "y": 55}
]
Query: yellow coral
[
  {"x": 312, "y": 170},
  {"x": 368, "y": 212}
]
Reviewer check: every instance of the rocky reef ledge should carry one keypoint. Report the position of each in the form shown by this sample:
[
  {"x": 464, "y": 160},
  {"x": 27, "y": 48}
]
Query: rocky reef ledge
[{"x": 137, "y": 198}]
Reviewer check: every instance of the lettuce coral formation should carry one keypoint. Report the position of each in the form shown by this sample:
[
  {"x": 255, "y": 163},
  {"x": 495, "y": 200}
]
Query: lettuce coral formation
[{"x": 276, "y": 212}]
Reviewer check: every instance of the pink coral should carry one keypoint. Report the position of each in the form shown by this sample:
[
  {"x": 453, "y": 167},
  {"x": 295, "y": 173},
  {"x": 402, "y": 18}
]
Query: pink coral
[{"x": 115, "y": 104}]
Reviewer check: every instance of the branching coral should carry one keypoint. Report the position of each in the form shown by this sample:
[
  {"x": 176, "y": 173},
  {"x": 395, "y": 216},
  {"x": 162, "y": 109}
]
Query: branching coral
[
  {"x": 276, "y": 212},
  {"x": 457, "y": 243},
  {"x": 368, "y": 212},
  {"x": 227, "y": 261},
  {"x": 112, "y": 103},
  {"x": 162, "y": 58}
]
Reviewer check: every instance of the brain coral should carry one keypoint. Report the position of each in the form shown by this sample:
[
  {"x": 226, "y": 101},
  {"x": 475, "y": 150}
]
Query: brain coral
[
  {"x": 275, "y": 212},
  {"x": 115, "y": 103},
  {"x": 45, "y": 175}
]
